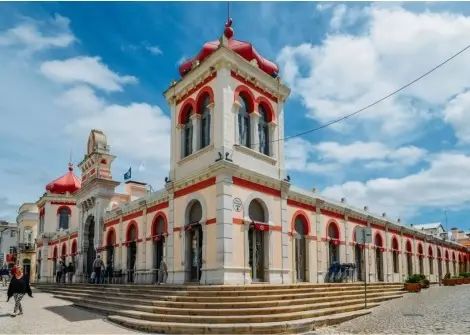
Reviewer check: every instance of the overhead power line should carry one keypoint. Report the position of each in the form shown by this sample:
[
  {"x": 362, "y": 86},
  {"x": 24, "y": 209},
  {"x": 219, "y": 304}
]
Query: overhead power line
[{"x": 347, "y": 116}]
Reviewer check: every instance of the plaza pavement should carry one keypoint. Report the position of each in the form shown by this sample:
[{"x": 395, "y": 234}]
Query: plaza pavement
[
  {"x": 44, "y": 314},
  {"x": 437, "y": 310}
]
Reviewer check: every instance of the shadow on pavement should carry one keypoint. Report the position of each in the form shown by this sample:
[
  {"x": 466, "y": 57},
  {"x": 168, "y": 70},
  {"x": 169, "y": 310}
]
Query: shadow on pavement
[
  {"x": 3, "y": 315},
  {"x": 73, "y": 314}
]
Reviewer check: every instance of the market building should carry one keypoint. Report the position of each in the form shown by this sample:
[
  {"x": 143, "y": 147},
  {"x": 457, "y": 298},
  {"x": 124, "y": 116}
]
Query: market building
[{"x": 228, "y": 213}]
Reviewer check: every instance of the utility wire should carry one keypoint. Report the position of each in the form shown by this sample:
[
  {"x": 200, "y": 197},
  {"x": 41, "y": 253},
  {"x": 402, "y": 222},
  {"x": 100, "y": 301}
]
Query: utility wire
[{"x": 347, "y": 116}]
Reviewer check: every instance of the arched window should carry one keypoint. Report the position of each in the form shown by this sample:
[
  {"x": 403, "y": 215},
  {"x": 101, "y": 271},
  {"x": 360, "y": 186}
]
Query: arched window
[
  {"x": 244, "y": 123},
  {"x": 64, "y": 217},
  {"x": 159, "y": 226},
  {"x": 205, "y": 123},
  {"x": 132, "y": 233},
  {"x": 263, "y": 131},
  {"x": 111, "y": 238},
  {"x": 187, "y": 133},
  {"x": 300, "y": 225},
  {"x": 195, "y": 213},
  {"x": 256, "y": 211}
]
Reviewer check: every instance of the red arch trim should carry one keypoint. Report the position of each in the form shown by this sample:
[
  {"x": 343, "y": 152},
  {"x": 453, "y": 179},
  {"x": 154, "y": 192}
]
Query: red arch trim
[
  {"x": 128, "y": 232},
  {"x": 154, "y": 223},
  {"x": 305, "y": 221},
  {"x": 335, "y": 224},
  {"x": 420, "y": 249},
  {"x": 110, "y": 236},
  {"x": 267, "y": 105},
  {"x": 430, "y": 253},
  {"x": 64, "y": 207},
  {"x": 395, "y": 245},
  {"x": 205, "y": 91},
  {"x": 185, "y": 110},
  {"x": 447, "y": 254},
  {"x": 54, "y": 255},
  {"x": 64, "y": 249},
  {"x": 244, "y": 91}
]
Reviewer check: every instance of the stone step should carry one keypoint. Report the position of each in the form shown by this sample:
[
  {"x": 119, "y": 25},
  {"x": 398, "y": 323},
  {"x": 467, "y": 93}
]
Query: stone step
[
  {"x": 109, "y": 308},
  {"x": 184, "y": 298},
  {"x": 289, "y": 327},
  {"x": 217, "y": 305},
  {"x": 138, "y": 306},
  {"x": 220, "y": 288}
]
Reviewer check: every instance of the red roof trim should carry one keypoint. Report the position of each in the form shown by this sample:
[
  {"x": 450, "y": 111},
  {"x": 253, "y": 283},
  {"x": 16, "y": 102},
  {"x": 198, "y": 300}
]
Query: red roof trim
[
  {"x": 295, "y": 203},
  {"x": 198, "y": 86},
  {"x": 256, "y": 187},
  {"x": 195, "y": 187},
  {"x": 157, "y": 207},
  {"x": 132, "y": 216},
  {"x": 253, "y": 87}
]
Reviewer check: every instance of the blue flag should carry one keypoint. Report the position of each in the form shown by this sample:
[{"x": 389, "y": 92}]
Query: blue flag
[{"x": 128, "y": 174}]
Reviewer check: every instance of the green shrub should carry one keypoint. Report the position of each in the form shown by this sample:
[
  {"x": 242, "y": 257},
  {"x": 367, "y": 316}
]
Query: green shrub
[
  {"x": 413, "y": 279},
  {"x": 447, "y": 276},
  {"x": 425, "y": 282},
  {"x": 465, "y": 274},
  {"x": 422, "y": 277}
]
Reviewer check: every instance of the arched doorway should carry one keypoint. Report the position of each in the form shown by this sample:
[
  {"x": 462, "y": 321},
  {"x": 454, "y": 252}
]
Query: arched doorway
[
  {"x": 90, "y": 247},
  {"x": 301, "y": 231},
  {"x": 158, "y": 234},
  {"x": 395, "y": 253},
  {"x": 409, "y": 258},
  {"x": 439, "y": 263},
  {"x": 131, "y": 251},
  {"x": 194, "y": 238},
  {"x": 110, "y": 242},
  {"x": 447, "y": 262},
  {"x": 27, "y": 268},
  {"x": 379, "y": 257},
  {"x": 333, "y": 243},
  {"x": 431, "y": 260},
  {"x": 359, "y": 257},
  {"x": 257, "y": 240},
  {"x": 421, "y": 259}
]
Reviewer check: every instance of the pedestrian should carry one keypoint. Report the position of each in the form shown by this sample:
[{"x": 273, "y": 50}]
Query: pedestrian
[
  {"x": 19, "y": 286},
  {"x": 4, "y": 276},
  {"x": 63, "y": 268},
  {"x": 162, "y": 272},
  {"x": 97, "y": 265},
  {"x": 58, "y": 275},
  {"x": 70, "y": 271}
]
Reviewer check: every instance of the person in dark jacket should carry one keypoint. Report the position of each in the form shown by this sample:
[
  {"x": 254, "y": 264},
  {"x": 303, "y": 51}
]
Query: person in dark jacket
[{"x": 19, "y": 286}]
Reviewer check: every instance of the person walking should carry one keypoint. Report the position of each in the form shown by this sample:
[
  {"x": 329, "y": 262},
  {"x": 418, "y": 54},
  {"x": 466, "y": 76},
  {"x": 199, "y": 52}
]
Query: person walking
[
  {"x": 70, "y": 272},
  {"x": 4, "y": 276},
  {"x": 58, "y": 275},
  {"x": 162, "y": 273},
  {"x": 97, "y": 265},
  {"x": 19, "y": 286},
  {"x": 64, "y": 271}
]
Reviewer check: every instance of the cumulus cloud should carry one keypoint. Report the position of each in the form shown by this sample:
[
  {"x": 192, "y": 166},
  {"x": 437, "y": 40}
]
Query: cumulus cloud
[
  {"x": 154, "y": 49},
  {"x": 444, "y": 183},
  {"x": 348, "y": 71},
  {"x": 85, "y": 70},
  {"x": 329, "y": 157},
  {"x": 457, "y": 114},
  {"x": 35, "y": 35}
]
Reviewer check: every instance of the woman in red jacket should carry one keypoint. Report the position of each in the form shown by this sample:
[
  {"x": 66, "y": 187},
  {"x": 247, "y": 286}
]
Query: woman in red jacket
[{"x": 19, "y": 286}]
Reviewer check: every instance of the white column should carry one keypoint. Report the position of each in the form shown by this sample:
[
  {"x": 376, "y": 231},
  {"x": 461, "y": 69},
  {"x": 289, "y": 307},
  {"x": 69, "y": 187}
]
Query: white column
[
  {"x": 254, "y": 137},
  {"x": 235, "y": 109},
  {"x": 273, "y": 143},
  {"x": 196, "y": 122}
]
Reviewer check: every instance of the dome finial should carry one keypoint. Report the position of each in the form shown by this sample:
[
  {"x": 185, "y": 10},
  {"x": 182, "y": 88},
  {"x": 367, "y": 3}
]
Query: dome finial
[
  {"x": 228, "y": 31},
  {"x": 70, "y": 166}
]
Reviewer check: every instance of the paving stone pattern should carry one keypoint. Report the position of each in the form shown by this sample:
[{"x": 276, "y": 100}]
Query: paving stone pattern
[
  {"x": 437, "y": 310},
  {"x": 44, "y": 314}
]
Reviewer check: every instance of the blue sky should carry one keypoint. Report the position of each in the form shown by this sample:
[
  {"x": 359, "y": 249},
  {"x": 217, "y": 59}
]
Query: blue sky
[{"x": 68, "y": 67}]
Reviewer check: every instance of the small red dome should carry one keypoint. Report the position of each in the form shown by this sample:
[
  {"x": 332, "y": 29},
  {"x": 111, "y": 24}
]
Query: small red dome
[
  {"x": 67, "y": 183},
  {"x": 244, "y": 49}
]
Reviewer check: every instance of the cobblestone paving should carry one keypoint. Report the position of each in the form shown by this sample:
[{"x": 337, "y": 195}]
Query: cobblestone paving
[
  {"x": 437, "y": 310},
  {"x": 44, "y": 314}
]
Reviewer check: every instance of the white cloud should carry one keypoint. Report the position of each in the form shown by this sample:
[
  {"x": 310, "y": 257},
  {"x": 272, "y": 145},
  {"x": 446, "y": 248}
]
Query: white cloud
[
  {"x": 332, "y": 156},
  {"x": 457, "y": 114},
  {"x": 444, "y": 183},
  {"x": 81, "y": 99},
  {"x": 154, "y": 49},
  {"x": 346, "y": 72},
  {"x": 87, "y": 70},
  {"x": 29, "y": 35}
]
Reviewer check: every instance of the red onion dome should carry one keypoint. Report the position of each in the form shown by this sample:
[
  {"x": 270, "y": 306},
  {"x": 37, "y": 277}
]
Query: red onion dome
[
  {"x": 67, "y": 183},
  {"x": 244, "y": 49}
]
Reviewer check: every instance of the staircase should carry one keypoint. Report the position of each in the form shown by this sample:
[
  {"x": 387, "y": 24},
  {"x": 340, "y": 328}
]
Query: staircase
[{"x": 228, "y": 309}]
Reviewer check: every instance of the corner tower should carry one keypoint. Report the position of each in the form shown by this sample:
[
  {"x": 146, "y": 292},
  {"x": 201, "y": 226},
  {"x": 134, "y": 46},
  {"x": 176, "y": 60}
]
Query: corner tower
[{"x": 227, "y": 105}]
